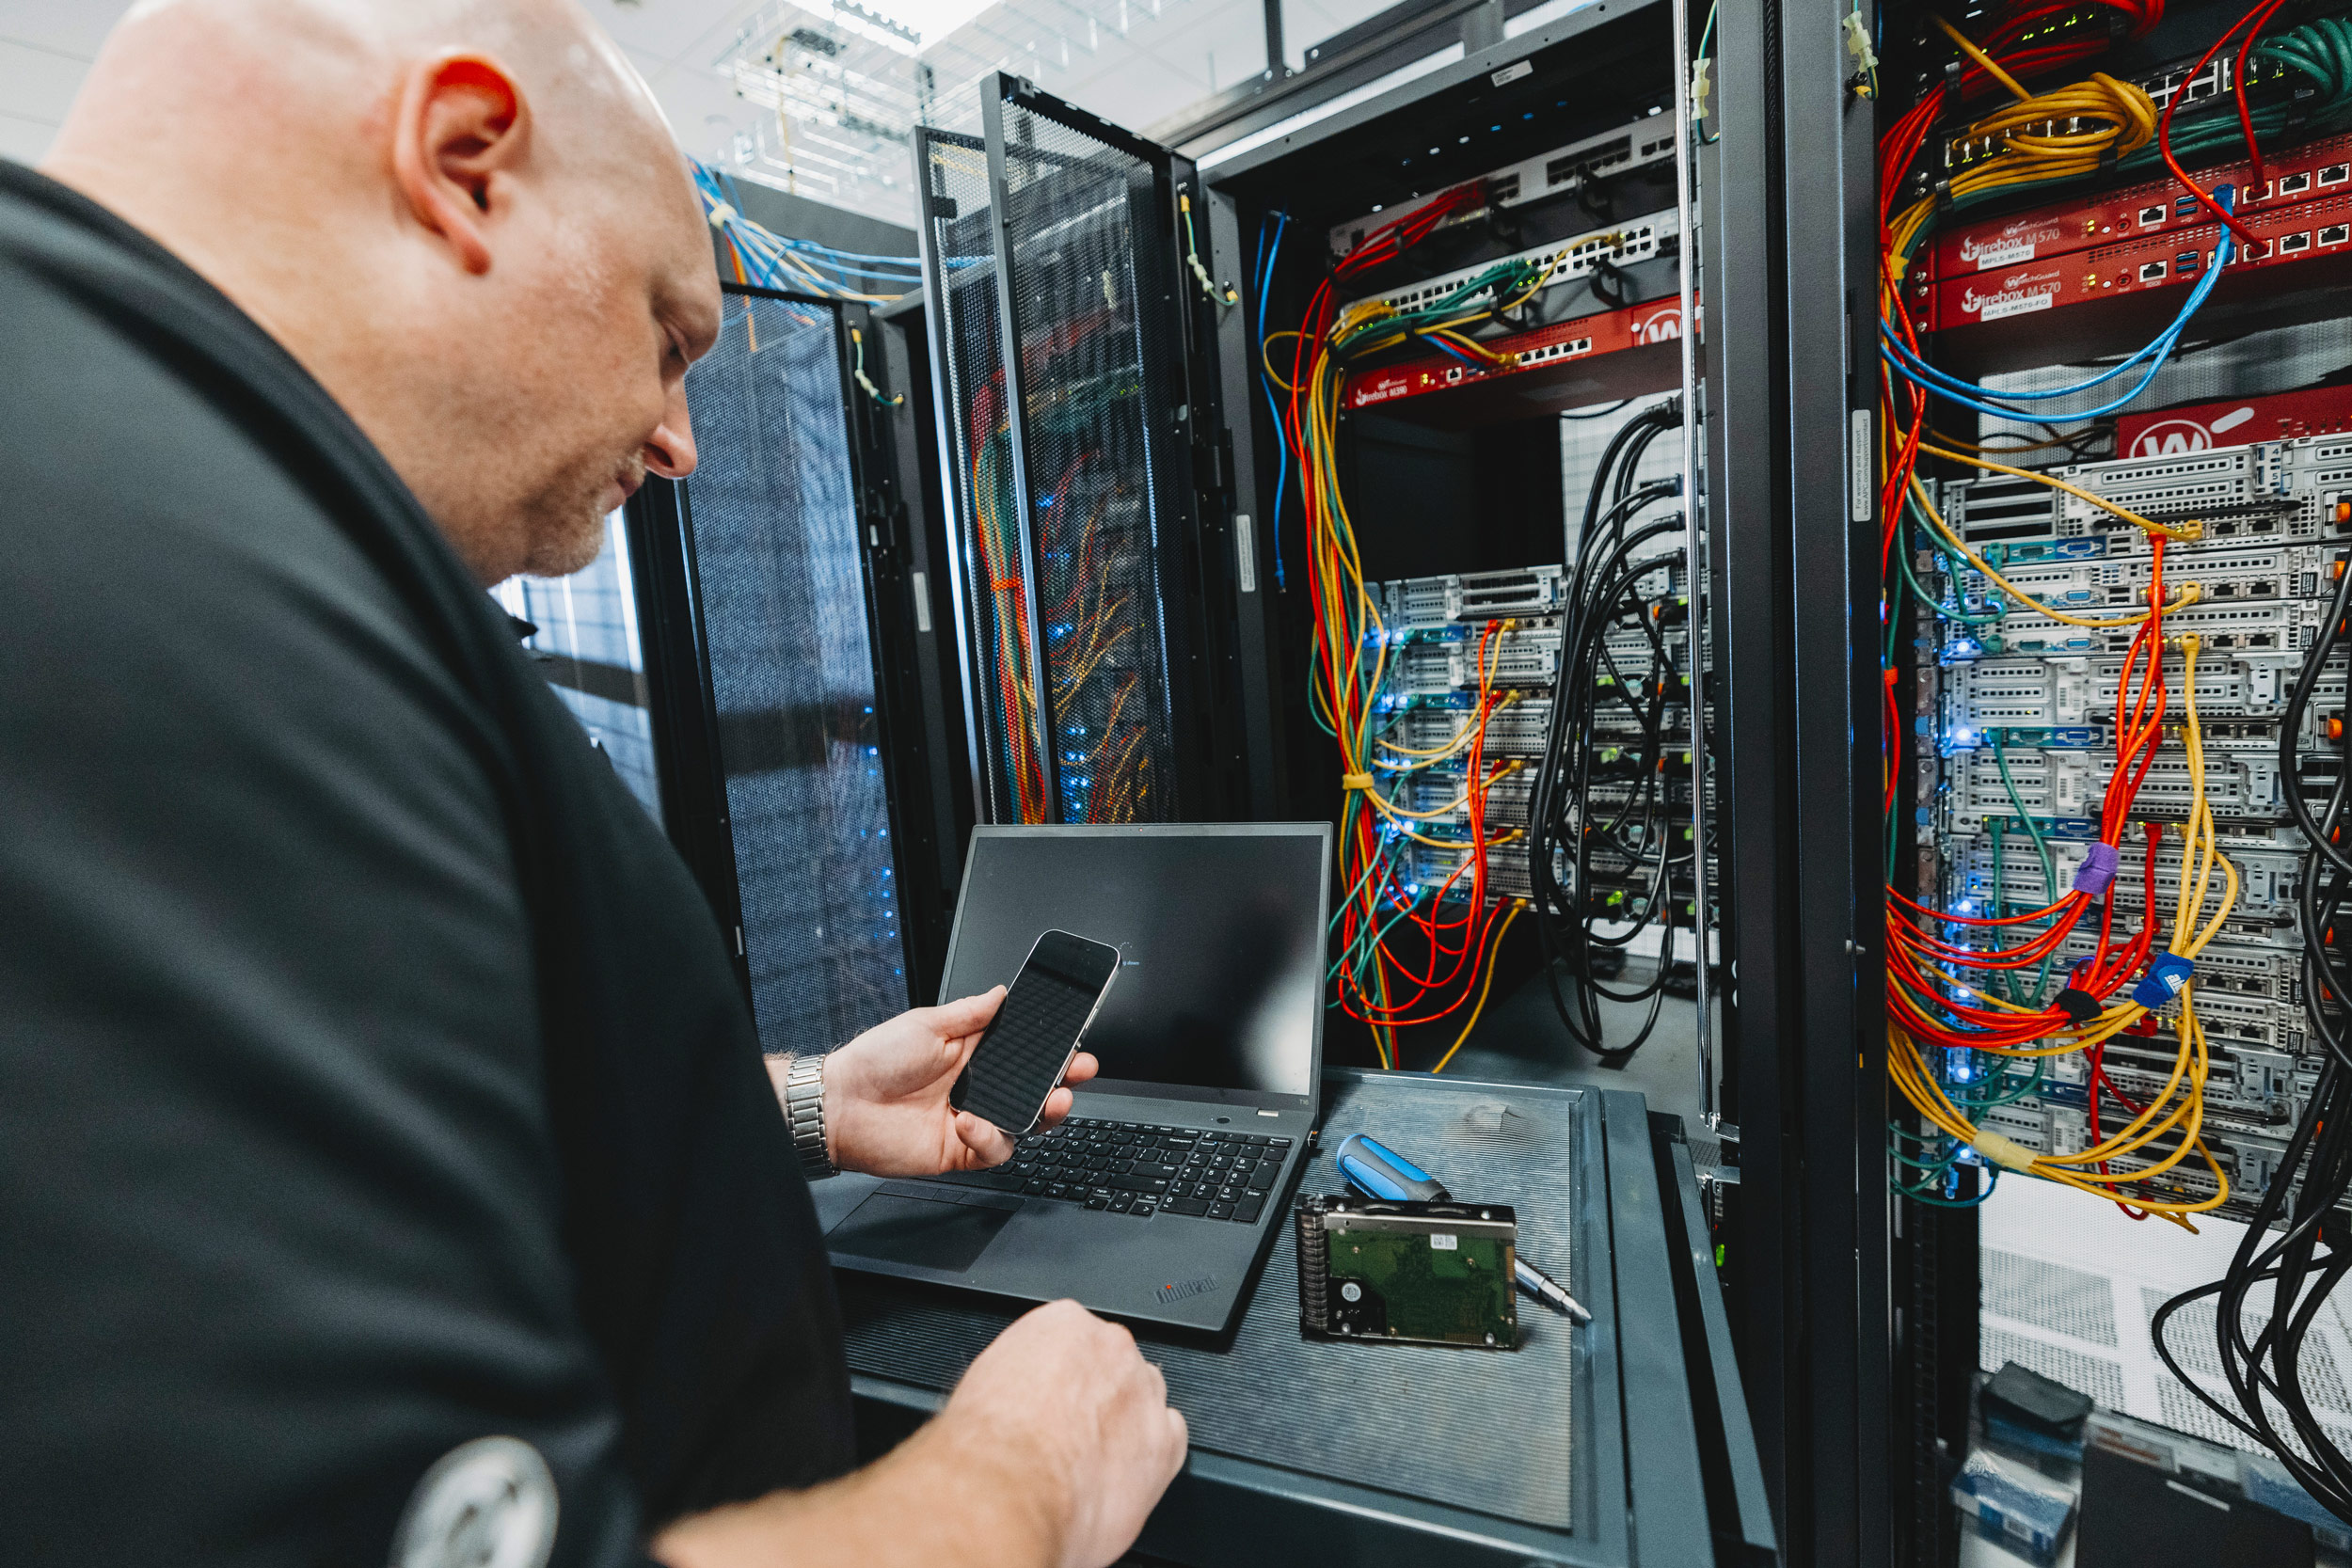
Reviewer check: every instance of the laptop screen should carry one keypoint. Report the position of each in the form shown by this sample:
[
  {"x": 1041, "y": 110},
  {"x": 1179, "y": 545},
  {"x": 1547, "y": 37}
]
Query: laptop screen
[{"x": 1219, "y": 930}]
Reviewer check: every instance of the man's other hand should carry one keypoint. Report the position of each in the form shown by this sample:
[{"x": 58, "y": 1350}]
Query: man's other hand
[
  {"x": 886, "y": 1110},
  {"x": 1050, "y": 1454},
  {"x": 1073, "y": 1415}
]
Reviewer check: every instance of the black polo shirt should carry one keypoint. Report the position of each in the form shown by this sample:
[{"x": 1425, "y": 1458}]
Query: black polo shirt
[{"x": 372, "y": 1076}]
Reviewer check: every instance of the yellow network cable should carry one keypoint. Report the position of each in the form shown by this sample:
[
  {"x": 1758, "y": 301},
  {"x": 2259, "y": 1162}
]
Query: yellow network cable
[
  {"x": 2190, "y": 594},
  {"x": 2184, "y": 1089}
]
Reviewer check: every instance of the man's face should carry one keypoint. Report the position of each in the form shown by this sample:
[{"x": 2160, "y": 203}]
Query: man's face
[{"x": 626, "y": 299}]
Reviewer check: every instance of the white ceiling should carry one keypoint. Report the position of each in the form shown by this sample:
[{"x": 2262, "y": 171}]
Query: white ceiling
[{"x": 1189, "y": 51}]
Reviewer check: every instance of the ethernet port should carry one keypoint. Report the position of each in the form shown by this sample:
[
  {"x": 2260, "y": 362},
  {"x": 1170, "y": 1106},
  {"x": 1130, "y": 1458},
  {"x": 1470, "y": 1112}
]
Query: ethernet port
[
  {"x": 2151, "y": 217},
  {"x": 2262, "y": 588},
  {"x": 2291, "y": 244},
  {"x": 2262, "y": 639},
  {"x": 2256, "y": 251},
  {"x": 2152, "y": 272},
  {"x": 2335, "y": 233},
  {"x": 2335, "y": 174},
  {"x": 2294, "y": 184},
  {"x": 2222, "y": 530}
]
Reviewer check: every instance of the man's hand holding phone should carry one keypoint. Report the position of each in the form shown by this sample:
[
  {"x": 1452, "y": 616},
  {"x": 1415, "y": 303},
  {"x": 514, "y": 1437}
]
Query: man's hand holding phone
[{"x": 886, "y": 1110}]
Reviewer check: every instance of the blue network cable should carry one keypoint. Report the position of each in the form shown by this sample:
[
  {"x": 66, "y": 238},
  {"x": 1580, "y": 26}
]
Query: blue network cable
[
  {"x": 1970, "y": 395},
  {"x": 1265, "y": 281}
]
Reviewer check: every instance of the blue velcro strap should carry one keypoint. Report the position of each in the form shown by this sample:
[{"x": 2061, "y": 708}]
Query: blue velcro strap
[{"x": 2164, "y": 980}]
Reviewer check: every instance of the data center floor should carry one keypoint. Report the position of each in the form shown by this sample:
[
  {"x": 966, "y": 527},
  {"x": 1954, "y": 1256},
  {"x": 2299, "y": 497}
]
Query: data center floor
[{"x": 2068, "y": 1287}]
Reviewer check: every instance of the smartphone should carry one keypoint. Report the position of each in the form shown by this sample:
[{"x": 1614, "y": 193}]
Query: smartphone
[{"x": 1036, "y": 1031}]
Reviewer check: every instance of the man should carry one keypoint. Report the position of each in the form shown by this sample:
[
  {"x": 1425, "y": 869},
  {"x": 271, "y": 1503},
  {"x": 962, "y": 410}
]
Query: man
[{"x": 387, "y": 1168}]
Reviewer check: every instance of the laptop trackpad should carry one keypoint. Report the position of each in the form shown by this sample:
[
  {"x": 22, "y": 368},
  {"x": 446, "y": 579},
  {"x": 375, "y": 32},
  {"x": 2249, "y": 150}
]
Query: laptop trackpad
[{"x": 919, "y": 1231}]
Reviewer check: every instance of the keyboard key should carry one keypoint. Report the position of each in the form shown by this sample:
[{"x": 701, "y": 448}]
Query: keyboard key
[
  {"x": 1144, "y": 1208},
  {"x": 1281, "y": 1143},
  {"x": 1148, "y": 1168},
  {"x": 1123, "y": 1202},
  {"x": 1056, "y": 1190},
  {"x": 1262, "y": 1180},
  {"x": 1248, "y": 1210},
  {"x": 1097, "y": 1203},
  {"x": 1138, "y": 1184},
  {"x": 1221, "y": 1211},
  {"x": 1034, "y": 1188},
  {"x": 1186, "y": 1206}
]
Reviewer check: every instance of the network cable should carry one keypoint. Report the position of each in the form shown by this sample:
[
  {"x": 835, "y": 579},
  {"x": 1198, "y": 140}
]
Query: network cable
[{"x": 1645, "y": 840}]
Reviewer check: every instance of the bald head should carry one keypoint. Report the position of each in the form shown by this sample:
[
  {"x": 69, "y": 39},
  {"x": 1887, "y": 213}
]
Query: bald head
[{"x": 465, "y": 217}]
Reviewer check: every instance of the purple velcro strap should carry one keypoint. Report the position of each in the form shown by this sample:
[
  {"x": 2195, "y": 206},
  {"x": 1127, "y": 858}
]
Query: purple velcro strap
[{"x": 2097, "y": 870}]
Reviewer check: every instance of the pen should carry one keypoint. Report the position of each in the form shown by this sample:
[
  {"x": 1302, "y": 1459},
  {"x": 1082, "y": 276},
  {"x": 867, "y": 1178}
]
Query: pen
[{"x": 1379, "y": 1170}]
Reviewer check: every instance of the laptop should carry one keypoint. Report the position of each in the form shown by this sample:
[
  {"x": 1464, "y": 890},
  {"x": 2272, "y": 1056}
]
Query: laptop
[{"x": 1157, "y": 1200}]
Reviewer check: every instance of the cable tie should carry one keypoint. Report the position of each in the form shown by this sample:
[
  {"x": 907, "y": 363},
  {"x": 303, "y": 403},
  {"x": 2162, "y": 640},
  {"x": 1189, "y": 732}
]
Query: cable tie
[
  {"x": 2080, "y": 1005},
  {"x": 2008, "y": 1153},
  {"x": 721, "y": 215},
  {"x": 2097, "y": 870},
  {"x": 2166, "y": 980},
  {"x": 1356, "y": 781}
]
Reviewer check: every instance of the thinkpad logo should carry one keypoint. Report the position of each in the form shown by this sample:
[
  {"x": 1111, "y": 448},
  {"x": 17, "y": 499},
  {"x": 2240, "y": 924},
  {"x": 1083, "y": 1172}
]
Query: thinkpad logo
[{"x": 1183, "y": 1289}]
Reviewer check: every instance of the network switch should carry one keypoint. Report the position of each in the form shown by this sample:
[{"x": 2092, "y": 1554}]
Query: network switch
[
  {"x": 1559, "y": 172},
  {"x": 1618, "y": 244}
]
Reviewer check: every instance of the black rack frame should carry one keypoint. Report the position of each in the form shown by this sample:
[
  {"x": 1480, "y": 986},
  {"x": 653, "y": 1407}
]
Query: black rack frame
[
  {"x": 1789, "y": 236},
  {"x": 677, "y": 674}
]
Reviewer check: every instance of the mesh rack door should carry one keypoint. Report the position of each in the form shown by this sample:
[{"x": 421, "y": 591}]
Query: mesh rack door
[
  {"x": 996, "y": 617},
  {"x": 1085, "y": 255},
  {"x": 773, "y": 542}
]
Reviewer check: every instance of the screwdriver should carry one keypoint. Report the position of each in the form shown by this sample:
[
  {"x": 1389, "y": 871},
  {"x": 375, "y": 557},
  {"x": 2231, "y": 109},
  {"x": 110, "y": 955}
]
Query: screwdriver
[{"x": 1375, "y": 1169}]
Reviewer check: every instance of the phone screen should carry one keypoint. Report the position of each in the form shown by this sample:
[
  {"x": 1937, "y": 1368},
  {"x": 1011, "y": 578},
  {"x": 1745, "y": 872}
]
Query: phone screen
[{"x": 1028, "y": 1043}]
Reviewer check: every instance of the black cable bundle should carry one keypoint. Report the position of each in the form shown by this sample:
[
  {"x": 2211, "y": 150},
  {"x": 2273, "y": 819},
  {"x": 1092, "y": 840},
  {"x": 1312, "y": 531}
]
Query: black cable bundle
[
  {"x": 2320, "y": 1153},
  {"x": 1566, "y": 835}
]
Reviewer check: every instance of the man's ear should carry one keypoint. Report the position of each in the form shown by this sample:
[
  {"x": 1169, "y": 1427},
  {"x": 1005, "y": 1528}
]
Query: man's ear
[{"x": 460, "y": 133}]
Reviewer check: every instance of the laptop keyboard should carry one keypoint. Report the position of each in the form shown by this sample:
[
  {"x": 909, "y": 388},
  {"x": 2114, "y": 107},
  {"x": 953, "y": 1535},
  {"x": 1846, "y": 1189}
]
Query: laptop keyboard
[{"x": 1136, "y": 1168}]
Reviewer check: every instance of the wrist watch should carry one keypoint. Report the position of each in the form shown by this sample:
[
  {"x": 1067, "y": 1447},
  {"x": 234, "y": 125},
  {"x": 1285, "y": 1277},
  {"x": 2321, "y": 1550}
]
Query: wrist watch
[{"x": 804, "y": 1111}]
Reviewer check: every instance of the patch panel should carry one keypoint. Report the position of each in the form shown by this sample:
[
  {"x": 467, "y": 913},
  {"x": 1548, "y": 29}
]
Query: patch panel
[
  {"x": 1621, "y": 244},
  {"x": 1559, "y": 172}
]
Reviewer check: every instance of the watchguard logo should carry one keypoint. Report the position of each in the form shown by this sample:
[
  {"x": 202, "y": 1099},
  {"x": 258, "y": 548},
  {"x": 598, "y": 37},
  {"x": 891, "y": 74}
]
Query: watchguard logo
[
  {"x": 1185, "y": 1290},
  {"x": 2014, "y": 244},
  {"x": 2015, "y": 294},
  {"x": 1663, "y": 326},
  {"x": 2171, "y": 437}
]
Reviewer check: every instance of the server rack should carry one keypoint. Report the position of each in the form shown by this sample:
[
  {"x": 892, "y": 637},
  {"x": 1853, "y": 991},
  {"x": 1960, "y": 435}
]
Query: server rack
[
  {"x": 797, "y": 741},
  {"x": 1087, "y": 482}
]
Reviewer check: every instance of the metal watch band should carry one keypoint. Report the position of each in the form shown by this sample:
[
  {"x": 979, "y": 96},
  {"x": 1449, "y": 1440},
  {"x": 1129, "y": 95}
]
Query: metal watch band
[{"x": 804, "y": 1110}]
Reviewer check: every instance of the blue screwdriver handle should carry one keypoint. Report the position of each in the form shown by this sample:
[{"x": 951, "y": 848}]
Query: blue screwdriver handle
[{"x": 1377, "y": 1169}]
